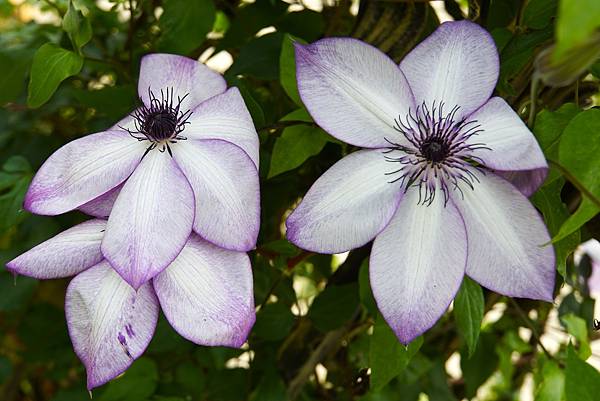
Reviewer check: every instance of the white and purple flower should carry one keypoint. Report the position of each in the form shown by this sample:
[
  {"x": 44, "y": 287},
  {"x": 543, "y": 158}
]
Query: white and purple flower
[
  {"x": 186, "y": 160},
  {"x": 431, "y": 186},
  {"x": 206, "y": 294}
]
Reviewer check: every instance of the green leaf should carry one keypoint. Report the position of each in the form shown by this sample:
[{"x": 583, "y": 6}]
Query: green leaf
[
  {"x": 520, "y": 51},
  {"x": 77, "y": 26},
  {"x": 273, "y": 321},
  {"x": 259, "y": 58},
  {"x": 387, "y": 356},
  {"x": 334, "y": 306},
  {"x": 51, "y": 65},
  {"x": 250, "y": 19},
  {"x": 579, "y": 149},
  {"x": 185, "y": 24},
  {"x": 577, "y": 20},
  {"x": 287, "y": 68},
  {"x": 538, "y": 13},
  {"x": 137, "y": 384},
  {"x": 577, "y": 327},
  {"x": 296, "y": 144},
  {"x": 552, "y": 385},
  {"x": 468, "y": 312},
  {"x": 586, "y": 211},
  {"x": 305, "y": 24},
  {"x": 14, "y": 66},
  {"x": 582, "y": 381},
  {"x": 547, "y": 199}
]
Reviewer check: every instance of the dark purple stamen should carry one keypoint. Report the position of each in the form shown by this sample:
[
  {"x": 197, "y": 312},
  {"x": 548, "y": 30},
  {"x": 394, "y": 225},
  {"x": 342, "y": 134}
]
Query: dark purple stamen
[
  {"x": 438, "y": 155},
  {"x": 162, "y": 122}
]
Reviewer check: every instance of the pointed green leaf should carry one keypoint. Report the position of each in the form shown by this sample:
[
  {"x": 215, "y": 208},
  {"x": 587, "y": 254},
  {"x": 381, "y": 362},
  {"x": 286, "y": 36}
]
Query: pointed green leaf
[
  {"x": 287, "y": 68},
  {"x": 468, "y": 312},
  {"x": 51, "y": 66},
  {"x": 387, "y": 356},
  {"x": 296, "y": 144},
  {"x": 547, "y": 199},
  {"x": 77, "y": 26}
]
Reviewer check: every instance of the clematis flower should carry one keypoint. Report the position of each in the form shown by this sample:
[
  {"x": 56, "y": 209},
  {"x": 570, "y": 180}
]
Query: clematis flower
[
  {"x": 429, "y": 186},
  {"x": 185, "y": 160},
  {"x": 206, "y": 294},
  {"x": 591, "y": 248}
]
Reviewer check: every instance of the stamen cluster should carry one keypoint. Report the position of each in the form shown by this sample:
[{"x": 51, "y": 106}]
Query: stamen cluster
[
  {"x": 439, "y": 154},
  {"x": 162, "y": 122}
]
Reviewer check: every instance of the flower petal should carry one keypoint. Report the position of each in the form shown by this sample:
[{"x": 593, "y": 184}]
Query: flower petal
[
  {"x": 150, "y": 221},
  {"x": 183, "y": 75},
  {"x": 110, "y": 323},
  {"x": 102, "y": 205},
  {"x": 206, "y": 294},
  {"x": 353, "y": 90},
  {"x": 347, "y": 206},
  {"x": 226, "y": 117},
  {"x": 63, "y": 255},
  {"x": 417, "y": 264},
  {"x": 457, "y": 64},
  {"x": 81, "y": 171},
  {"x": 509, "y": 250},
  {"x": 511, "y": 144},
  {"x": 226, "y": 189},
  {"x": 526, "y": 181}
]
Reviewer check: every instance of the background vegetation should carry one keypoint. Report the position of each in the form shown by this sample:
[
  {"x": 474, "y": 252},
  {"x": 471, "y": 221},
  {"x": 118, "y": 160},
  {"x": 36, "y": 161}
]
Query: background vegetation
[{"x": 70, "y": 68}]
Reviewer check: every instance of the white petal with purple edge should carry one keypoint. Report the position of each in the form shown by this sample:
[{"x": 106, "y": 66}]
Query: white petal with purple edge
[
  {"x": 353, "y": 90},
  {"x": 526, "y": 181},
  {"x": 347, "y": 206},
  {"x": 150, "y": 221},
  {"x": 102, "y": 205},
  {"x": 63, "y": 255},
  {"x": 225, "y": 117},
  {"x": 183, "y": 75},
  {"x": 81, "y": 171},
  {"x": 417, "y": 264},
  {"x": 206, "y": 294},
  {"x": 511, "y": 144},
  {"x": 110, "y": 324},
  {"x": 457, "y": 64},
  {"x": 509, "y": 250},
  {"x": 226, "y": 189}
]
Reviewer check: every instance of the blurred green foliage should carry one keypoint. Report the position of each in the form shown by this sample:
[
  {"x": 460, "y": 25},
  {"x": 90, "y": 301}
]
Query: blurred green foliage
[{"x": 68, "y": 68}]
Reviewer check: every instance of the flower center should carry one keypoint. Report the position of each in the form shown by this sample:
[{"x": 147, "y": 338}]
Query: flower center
[
  {"x": 162, "y": 122},
  {"x": 439, "y": 154},
  {"x": 434, "y": 150}
]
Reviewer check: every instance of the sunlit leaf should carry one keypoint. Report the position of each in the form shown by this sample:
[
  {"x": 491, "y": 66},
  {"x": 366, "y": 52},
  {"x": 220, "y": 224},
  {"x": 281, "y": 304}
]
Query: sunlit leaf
[
  {"x": 51, "y": 66},
  {"x": 468, "y": 312}
]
